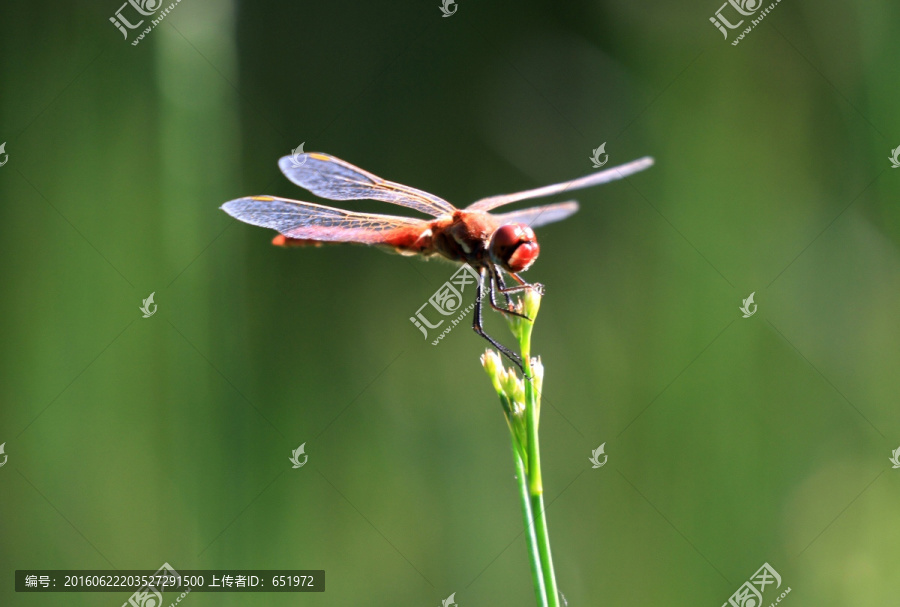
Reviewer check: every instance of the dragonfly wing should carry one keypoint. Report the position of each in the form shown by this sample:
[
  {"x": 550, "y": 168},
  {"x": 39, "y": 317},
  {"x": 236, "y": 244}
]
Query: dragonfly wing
[
  {"x": 539, "y": 216},
  {"x": 315, "y": 222},
  {"x": 619, "y": 172},
  {"x": 335, "y": 179}
]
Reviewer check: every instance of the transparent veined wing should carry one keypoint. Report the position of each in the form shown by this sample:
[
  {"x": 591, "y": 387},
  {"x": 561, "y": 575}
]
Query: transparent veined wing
[
  {"x": 539, "y": 216},
  {"x": 335, "y": 179},
  {"x": 308, "y": 221},
  {"x": 619, "y": 172}
]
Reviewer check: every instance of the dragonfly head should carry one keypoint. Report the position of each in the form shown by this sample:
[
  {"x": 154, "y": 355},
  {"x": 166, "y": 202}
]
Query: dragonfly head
[{"x": 514, "y": 247}]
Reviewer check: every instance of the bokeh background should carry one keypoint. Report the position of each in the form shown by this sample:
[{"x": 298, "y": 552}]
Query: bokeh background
[{"x": 732, "y": 441}]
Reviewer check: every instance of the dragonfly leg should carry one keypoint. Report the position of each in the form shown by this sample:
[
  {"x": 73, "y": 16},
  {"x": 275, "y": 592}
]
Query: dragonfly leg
[
  {"x": 522, "y": 285},
  {"x": 501, "y": 286},
  {"x": 497, "y": 279},
  {"x": 479, "y": 328}
]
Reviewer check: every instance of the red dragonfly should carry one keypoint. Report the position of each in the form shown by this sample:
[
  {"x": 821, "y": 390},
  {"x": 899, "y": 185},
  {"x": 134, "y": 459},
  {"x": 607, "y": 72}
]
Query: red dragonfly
[{"x": 490, "y": 244}]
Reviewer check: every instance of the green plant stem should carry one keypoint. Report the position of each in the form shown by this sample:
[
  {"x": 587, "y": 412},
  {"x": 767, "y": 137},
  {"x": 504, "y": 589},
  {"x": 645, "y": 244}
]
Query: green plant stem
[
  {"x": 535, "y": 485},
  {"x": 537, "y": 575},
  {"x": 536, "y": 497},
  {"x": 521, "y": 402}
]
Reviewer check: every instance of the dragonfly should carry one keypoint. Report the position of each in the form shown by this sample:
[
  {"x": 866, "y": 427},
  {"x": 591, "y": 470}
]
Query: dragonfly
[{"x": 492, "y": 244}]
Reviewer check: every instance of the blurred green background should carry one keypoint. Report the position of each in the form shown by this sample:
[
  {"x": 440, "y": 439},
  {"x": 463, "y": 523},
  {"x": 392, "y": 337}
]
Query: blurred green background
[{"x": 732, "y": 442}]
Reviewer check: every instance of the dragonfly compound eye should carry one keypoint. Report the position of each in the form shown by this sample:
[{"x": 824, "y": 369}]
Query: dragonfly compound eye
[{"x": 514, "y": 247}]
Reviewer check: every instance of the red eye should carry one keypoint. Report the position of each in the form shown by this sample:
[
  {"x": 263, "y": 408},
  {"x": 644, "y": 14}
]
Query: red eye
[
  {"x": 507, "y": 236},
  {"x": 514, "y": 247},
  {"x": 522, "y": 258}
]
